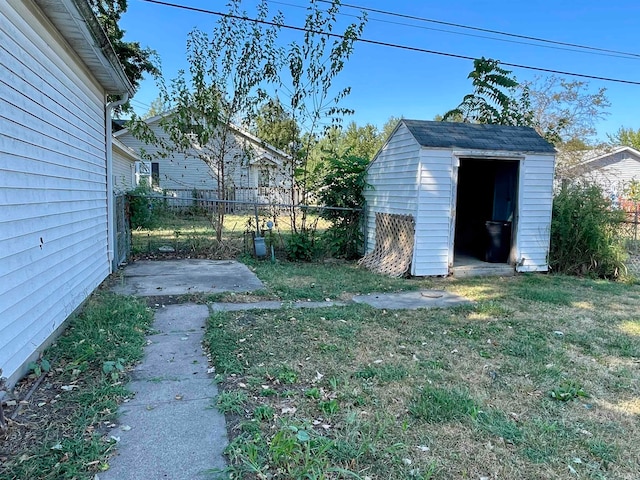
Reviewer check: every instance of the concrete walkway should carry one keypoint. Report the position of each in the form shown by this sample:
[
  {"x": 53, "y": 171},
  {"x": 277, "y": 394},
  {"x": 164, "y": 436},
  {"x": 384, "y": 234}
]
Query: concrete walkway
[{"x": 169, "y": 430}]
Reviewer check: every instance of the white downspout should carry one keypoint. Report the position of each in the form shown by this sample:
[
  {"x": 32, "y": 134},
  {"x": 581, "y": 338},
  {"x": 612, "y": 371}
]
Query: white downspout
[{"x": 111, "y": 230}]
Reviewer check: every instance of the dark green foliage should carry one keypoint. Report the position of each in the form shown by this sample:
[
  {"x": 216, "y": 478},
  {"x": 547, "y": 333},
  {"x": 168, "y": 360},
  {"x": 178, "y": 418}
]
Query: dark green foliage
[
  {"x": 493, "y": 99},
  {"x": 135, "y": 60},
  {"x": 275, "y": 126},
  {"x": 342, "y": 186},
  {"x": 584, "y": 233},
  {"x": 302, "y": 245},
  {"x": 146, "y": 207}
]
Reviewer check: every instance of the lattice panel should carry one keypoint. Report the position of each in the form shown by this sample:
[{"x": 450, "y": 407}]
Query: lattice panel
[{"x": 394, "y": 245}]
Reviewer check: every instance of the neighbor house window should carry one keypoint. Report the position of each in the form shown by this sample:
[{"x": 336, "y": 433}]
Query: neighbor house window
[
  {"x": 143, "y": 173},
  {"x": 155, "y": 174},
  {"x": 265, "y": 180}
]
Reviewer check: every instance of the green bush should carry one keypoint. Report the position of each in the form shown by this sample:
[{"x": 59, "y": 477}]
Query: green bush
[
  {"x": 302, "y": 246},
  {"x": 585, "y": 237},
  {"x": 342, "y": 186},
  {"x": 146, "y": 207}
]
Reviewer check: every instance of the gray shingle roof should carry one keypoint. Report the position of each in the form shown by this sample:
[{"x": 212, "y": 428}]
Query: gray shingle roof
[{"x": 477, "y": 136}]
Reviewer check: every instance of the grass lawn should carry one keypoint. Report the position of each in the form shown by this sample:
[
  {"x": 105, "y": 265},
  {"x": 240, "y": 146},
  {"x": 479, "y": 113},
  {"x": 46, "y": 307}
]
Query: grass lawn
[
  {"x": 195, "y": 235},
  {"x": 60, "y": 427},
  {"x": 538, "y": 379}
]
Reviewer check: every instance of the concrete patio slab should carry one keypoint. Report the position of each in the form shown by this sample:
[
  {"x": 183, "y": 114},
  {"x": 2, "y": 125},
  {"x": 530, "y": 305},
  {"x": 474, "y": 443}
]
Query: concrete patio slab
[
  {"x": 146, "y": 278},
  {"x": 412, "y": 300}
]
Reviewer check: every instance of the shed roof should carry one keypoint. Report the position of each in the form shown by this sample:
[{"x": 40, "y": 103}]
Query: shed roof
[{"x": 477, "y": 136}]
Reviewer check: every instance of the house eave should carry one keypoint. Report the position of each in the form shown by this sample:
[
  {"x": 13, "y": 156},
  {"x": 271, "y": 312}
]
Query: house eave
[
  {"x": 125, "y": 150},
  {"x": 77, "y": 23}
]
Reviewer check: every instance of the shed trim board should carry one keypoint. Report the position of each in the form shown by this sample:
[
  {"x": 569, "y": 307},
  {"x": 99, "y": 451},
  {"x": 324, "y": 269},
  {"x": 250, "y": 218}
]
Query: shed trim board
[{"x": 424, "y": 180}]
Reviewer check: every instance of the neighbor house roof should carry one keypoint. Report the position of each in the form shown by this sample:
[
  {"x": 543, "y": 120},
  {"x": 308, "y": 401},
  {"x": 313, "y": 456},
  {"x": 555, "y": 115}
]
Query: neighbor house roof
[
  {"x": 77, "y": 23},
  {"x": 124, "y": 150},
  {"x": 235, "y": 128},
  {"x": 594, "y": 155},
  {"x": 474, "y": 136}
]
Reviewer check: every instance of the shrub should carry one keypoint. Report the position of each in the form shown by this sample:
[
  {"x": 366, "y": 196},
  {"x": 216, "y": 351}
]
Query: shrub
[
  {"x": 301, "y": 246},
  {"x": 584, "y": 233},
  {"x": 342, "y": 186},
  {"x": 146, "y": 207}
]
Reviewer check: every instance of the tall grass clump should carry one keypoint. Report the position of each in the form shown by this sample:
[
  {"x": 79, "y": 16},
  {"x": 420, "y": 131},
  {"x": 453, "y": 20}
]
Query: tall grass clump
[{"x": 585, "y": 237}]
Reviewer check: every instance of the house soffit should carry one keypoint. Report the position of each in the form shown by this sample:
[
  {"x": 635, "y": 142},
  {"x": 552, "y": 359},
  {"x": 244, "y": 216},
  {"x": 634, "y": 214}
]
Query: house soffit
[{"x": 77, "y": 23}]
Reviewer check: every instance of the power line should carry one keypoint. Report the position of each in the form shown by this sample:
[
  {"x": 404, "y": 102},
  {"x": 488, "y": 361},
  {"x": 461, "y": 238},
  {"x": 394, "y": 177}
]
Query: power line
[
  {"x": 584, "y": 50},
  {"x": 388, "y": 44},
  {"x": 486, "y": 30}
]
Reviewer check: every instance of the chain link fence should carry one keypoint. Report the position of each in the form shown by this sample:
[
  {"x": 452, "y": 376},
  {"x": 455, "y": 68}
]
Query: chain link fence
[
  {"x": 630, "y": 232},
  {"x": 169, "y": 226}
]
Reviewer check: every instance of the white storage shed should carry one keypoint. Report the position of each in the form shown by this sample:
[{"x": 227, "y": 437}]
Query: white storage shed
[{"x": 473, "y": 193}]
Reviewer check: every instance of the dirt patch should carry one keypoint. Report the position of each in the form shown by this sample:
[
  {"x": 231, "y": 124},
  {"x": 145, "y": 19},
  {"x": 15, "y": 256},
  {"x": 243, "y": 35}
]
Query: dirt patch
[{"x": 33, "y": 407}]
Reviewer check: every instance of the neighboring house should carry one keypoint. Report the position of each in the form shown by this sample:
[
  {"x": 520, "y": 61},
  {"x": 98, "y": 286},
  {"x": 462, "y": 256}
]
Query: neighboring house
[
  {"x": 56, "y": 243},
  {"x": 453, "y": 178},
  {"x": 126, "y": 167},
  {"x": 613, "y": 169},
  {"x": 254, "y": 170}
]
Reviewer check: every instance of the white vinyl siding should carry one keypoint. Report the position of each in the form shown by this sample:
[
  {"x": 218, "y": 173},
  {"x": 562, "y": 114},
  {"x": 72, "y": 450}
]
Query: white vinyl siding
[
  {"x": 53, "y": 206},
  {"x": 393, "y": 177},
  {"x": 421, "y": 181},
  {"x": 123, "y": 172},
  {"x": 184, "y": 173},
  {"x": 433, "y": 223},
  {"x": 534, "y": 213},
  {"x": 176, "y": 172},
  {"x": 614, "y": 172}
]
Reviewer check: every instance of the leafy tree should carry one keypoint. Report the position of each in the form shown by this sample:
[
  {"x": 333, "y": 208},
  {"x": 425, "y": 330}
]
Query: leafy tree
[
  {"x": 355, "y": 142},
  {"x": 136, "y": 60},
  {"x": 585, "y": 233},
  {"x": 627, "y": 137},
  {"x": 275, "y": 126},
  {"x": 224, "y": 86},
  {"x": 493, "y": 99},
  {"x": 566, "y": 111},
  {"x": 313, "y": 102},
  {"x": 157, "y": 107}
]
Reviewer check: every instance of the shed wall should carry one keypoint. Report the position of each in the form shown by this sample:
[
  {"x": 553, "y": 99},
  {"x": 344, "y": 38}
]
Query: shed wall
[
  {"x": 53, "y": 205},
  {"x": 393, "y": 177},
  {"x": 535, "y": 201},
  {"x": 433, "y": 223}
]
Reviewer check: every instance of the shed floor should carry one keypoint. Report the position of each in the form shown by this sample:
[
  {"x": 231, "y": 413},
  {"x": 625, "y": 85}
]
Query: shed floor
[{"x": 470, "y": 266}]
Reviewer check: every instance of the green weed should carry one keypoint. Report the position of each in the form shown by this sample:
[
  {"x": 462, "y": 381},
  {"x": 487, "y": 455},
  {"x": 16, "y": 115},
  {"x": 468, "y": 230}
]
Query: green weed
[
  {"x": 436, "y": 405},
  {"x": 231, "y": 402}
]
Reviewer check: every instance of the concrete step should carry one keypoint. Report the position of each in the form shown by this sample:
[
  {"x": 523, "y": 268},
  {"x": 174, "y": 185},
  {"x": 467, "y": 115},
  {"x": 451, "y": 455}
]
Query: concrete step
[{"x": 483, "y": 270}]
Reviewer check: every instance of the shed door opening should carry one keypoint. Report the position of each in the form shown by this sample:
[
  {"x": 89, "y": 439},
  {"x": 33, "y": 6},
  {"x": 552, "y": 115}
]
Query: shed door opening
[{"x": 485, "y": 208}]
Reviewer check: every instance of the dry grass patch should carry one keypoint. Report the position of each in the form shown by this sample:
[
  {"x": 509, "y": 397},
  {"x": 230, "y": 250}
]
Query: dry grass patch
[{"x": 527, "y": 383}]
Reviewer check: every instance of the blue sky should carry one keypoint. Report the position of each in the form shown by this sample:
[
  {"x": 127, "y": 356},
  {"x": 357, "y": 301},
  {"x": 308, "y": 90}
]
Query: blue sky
[{"x": 388, "y": 82}]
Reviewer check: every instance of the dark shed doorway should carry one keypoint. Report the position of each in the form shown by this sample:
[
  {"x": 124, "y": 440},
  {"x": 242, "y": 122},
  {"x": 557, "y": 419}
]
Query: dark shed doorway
[{"x": 485, "y": 208}]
